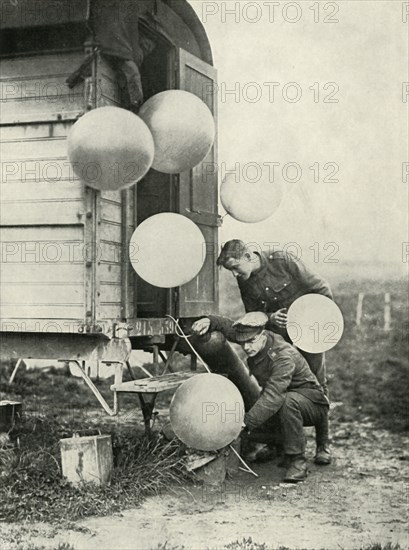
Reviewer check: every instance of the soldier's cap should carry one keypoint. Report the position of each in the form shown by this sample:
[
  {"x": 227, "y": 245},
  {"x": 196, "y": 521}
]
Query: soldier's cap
[{"x": 249, "y": 326}]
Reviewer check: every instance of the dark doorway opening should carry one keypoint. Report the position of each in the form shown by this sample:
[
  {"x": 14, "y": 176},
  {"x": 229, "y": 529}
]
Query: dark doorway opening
[{"x": 156, "y": 192}]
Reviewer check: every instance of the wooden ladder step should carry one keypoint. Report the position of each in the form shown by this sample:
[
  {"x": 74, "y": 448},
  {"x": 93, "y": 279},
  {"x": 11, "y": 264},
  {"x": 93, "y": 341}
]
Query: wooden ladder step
[{"x": 155, "y": 384}]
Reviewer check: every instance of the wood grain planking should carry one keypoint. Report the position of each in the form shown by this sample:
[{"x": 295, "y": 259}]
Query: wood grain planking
[
  {"x": 110, "y": 252},
  {"x": 26, "y": 132},
  {"x": 109, "y": 312},
  {"x": 33, "y": 65},
  {"x": 110, "y": 293},
  {"x": 44, "y": 311},
  {"x": 109, "y": 273},
  {"x": 53, "y": 325},
  {"x": 55, "y": 273},
  {"x": 48, "y": 148},
  {"x": 40, "y": 212},
  {"x": 111, "y": 212},
  {"x": 40, "y": 244},
  {"x": 45, "y": 293},
  {"x": 23, "y": 192}
]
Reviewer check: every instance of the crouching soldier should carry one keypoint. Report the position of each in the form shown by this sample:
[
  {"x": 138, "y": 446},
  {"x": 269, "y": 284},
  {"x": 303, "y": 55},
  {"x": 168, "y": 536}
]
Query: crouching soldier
[{"x": 291, "y": 395}]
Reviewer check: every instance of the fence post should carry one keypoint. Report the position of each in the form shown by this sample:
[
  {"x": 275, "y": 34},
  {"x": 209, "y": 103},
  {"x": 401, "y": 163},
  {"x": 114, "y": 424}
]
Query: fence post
[
  {"x": 387, "y": 312},
  {"x": 359, "y": 308}
]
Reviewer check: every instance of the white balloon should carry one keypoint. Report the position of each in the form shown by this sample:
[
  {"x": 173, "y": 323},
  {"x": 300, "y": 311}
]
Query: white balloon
[
  {"x": 249, "y": 202},
  {"x": 183, "y": 130},
  {"x": 314, "y": 323},
  {"x": 167, "y": 250},
  {"x": 110, "y": 148},
  {"x": 206, "y": 412}
]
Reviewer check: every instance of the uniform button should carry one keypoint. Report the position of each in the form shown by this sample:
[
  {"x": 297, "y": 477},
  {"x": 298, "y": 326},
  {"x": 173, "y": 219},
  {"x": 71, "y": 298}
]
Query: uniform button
[
  {"x": 267, "y": 288},
  {"x": 285, "y": 284},
  {"x": 275, "y": 297}
]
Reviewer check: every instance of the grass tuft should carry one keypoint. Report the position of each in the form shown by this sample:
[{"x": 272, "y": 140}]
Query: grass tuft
[{"x": 32, "y": 487}]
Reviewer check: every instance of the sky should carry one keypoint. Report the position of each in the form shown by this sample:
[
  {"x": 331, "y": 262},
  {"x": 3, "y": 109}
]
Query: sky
[{"x": 320, "y": 91}]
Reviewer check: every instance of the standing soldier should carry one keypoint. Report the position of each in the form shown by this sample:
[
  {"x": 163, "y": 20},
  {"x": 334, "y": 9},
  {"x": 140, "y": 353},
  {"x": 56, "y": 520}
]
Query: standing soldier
[{"x": 271, "y": 282}]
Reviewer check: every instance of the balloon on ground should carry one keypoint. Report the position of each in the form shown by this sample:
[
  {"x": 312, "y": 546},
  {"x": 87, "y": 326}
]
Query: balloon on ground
[
  {"x": 207, "y": 412},
  {"x": 183, "y": 130},
  {"x": 249, "y": 202},
  {"x": 314, "y": 323},
  {"x": 167, "y": 250},
  {"x": 110, "y": 148}
]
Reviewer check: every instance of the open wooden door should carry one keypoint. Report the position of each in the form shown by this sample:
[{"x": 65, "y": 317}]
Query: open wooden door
[{"x": 198, "y": 191}]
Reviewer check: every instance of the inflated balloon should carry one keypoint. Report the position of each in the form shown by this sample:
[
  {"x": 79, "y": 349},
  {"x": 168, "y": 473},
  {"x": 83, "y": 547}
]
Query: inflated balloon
[
  {"x": 207, "y": 412},
  {"x": 249, "y": 202},
  {"x": 183, "y": 130},
  {"x": 110, "y": 148},
  {"x": 314, "y": 323},
  {"x": 167, "y": 250}
]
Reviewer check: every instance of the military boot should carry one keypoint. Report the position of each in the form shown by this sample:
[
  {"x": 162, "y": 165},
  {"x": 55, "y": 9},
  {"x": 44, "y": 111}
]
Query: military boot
[
  {"x": 297, "y": 471},
  {"x": 323, "y": 455}
]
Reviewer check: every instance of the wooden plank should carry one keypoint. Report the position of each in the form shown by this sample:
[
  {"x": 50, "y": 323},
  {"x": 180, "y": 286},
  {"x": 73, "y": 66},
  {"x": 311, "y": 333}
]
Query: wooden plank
[
  {"x": 39, "y": 212},
  {"x": 37, "y": 263},
  {"x": 34, "y": 88},
  {"x": 23, "y": 132},
  {"x": 31, "y": 111},
  {"x": 48, "y": 191},
  {"x": 46, "y": 311},
  {"x": 30, "y": 171},
  {"x": 31, "y": 324},
  {"x": 45, "y": 88},
  {"x": 109, "y": 312},
  {"x": 111, "y": 196},
  {"x": 34, "y": 294},
  {"x": 42, "y": 245},
  {"x": 111, "y": 211},
  {"x": 37, "y": 273},
  {"x": 108, "y": 86},
  {"x": 155, "y": 384},
  {"x": 198, "y": 196},
  {"x": 109, "y": 273},
  {"x": 110, "y": 294},
  {"x": 110, "y": 252},
  {"x": 34, "y": 65},
  {"x": 42, "y": 148},
  {"x": 108, "y": 90},
  {"x": 107, "y": 102}
]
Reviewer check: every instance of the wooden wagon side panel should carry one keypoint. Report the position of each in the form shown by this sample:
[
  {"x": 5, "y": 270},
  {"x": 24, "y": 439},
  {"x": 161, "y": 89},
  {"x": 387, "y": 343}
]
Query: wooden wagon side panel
[
  {"x": 44, "y": 255},
  {"x": 42, "y": 278},
  {"x": 34, "y": 88}
]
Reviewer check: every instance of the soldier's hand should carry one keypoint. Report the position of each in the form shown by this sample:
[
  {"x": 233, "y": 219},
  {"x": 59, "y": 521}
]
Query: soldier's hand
[
  {"x": 201, "y": 326},
  {"x": 279, "y": 317}
]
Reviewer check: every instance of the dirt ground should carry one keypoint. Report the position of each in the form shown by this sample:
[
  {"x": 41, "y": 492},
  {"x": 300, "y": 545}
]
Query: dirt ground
[{"x": 361, "y": 499}]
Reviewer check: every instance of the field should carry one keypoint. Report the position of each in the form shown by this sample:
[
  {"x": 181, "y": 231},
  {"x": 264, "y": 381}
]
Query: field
[{"x": 365, "y": 488}]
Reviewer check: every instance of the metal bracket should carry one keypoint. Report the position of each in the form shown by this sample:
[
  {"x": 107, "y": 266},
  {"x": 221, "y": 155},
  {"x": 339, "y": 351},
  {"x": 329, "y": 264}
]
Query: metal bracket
[{"x": 95, "y": 390}]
